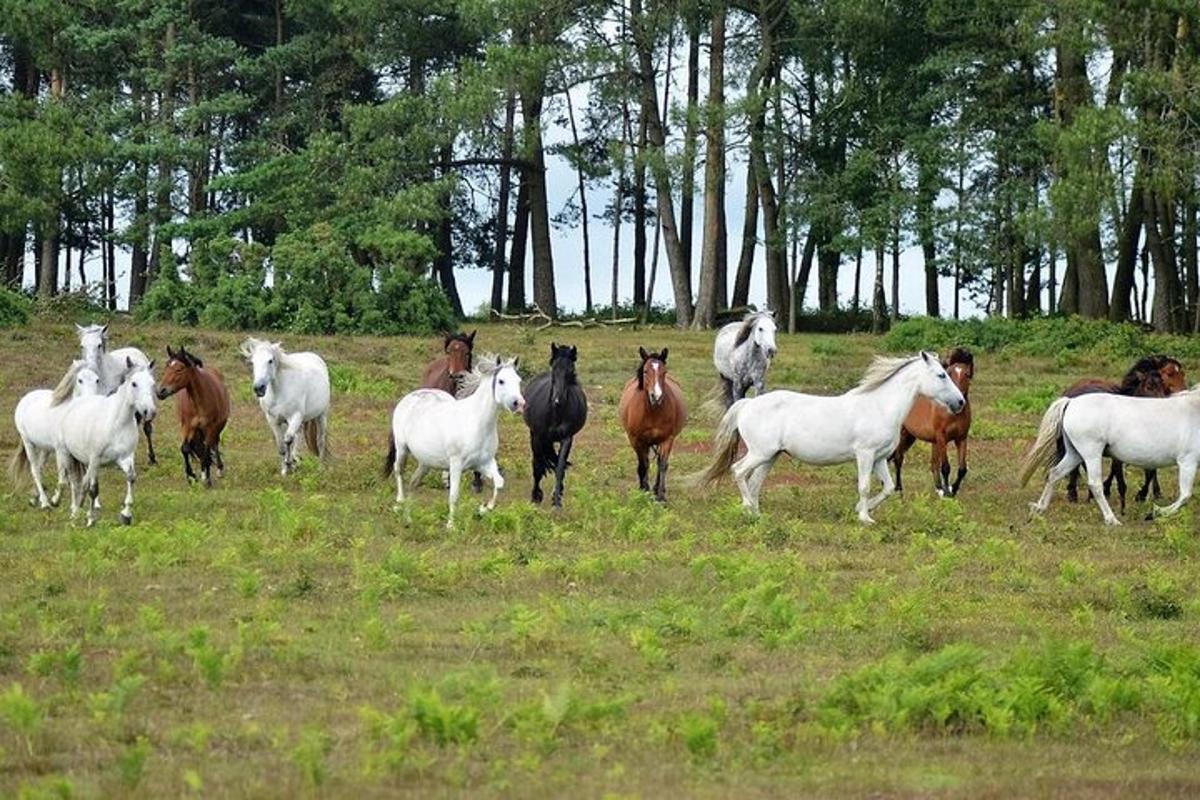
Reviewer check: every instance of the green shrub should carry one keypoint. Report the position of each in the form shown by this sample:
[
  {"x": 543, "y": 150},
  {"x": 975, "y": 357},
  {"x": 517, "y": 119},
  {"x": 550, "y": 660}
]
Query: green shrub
[{"x": 15, "y": 308}]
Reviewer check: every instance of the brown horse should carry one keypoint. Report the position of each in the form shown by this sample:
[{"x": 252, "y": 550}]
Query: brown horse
[
  {"x": 442, "y": 373},
  {"x": 1153, "y": 376},
  {"x": 653, "y": 412},
  {"x": 203, "y": 410},
  {"x": 934, "y": 423}
]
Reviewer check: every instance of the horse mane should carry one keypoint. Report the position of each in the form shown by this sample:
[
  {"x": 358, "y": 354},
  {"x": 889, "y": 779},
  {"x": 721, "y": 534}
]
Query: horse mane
[
  {"x": 748, "y": 326},
  {"x": 882, "y": 370},
  {"x": 251, "y": 344},
  {"x": 486, "y": 366},
  {"x": 1144, "y": 371},
  {"x": 66, "y": 387},
  {"x": 959, "y": 355}
]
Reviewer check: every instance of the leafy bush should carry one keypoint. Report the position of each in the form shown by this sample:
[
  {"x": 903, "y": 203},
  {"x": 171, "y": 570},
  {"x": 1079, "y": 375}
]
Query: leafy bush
[
  {"x": 1041, "y": 336},
  {"x": 14, "y": 308}
]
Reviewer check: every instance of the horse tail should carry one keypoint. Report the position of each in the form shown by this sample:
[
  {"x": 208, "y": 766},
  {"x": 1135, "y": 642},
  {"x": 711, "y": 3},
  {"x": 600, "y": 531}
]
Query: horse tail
[
  {"x": 18, "y": 465},
  {"x": 1045, "y": 447},
  {"x": 716, "y": 401},
  {"x": 316, "y": 436},
  {"x": 389, "y": 462},
  {"x": 725, "y": 447}
]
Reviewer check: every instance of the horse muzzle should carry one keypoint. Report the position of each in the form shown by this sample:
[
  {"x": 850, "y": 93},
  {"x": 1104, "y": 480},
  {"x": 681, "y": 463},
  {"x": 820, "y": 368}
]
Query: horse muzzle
[
  {"x": 164, "y": 393},
  {"x": 143, "y": 417},
  {"x": 958, "y": 405},
  {"x": 518, "y": 406},
  {"x": 260, "y": 390}
]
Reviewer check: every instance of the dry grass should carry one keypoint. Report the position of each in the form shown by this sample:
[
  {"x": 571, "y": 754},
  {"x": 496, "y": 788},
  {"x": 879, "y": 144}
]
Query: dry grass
[{"x": 274, "y": 636}]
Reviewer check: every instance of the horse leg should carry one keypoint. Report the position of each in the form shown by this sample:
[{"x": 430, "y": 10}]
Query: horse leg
[
  {"x": 1093, "y": 462},
  {"x": 1069, "y": 461},
  {"x": 758, "y": 477},
  {"x": 560, "y": 472},
  {"x": 205, "y": 455},
  {"x": 67, "y": 470},
  {"x": 906, "y": 441},
  {"x": 127, "y": 466},
  {"x": 885, "y": 478},
  {"x": 37, "y": 462},
  {"x": 294, "y": 423},
  {"x": 476, "y": 482},
  {"x": 492, "y": 469},
  {"x": 937, "y": 457},
  {"x": 216, "y": 451},
  {"x": 398, "y": 471},
  {"x": 1117, "y": 474},
  {"x": 148, "y": 429},
  {"x": 749, "y": 481},
  {"x": 186, "y": 450},
  {"x": 643, "y": 467},
  {"x": 1187, "y": 477},
  {"x": 865, "y": 461},
  {"x": 961, "y": 447},
  {"x": 91, "y": 488},
  {"x": 664, "y": 461},
  {"x": 456, "y": 471}
]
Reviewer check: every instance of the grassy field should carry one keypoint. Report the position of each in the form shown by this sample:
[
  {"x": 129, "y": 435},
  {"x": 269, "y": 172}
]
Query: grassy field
[{"x": 279, "y": 637}]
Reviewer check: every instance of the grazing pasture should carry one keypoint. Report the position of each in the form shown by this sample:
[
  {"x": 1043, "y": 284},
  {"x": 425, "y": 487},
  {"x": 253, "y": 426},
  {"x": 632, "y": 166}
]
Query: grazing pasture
[{"x": 280, "y": 636}]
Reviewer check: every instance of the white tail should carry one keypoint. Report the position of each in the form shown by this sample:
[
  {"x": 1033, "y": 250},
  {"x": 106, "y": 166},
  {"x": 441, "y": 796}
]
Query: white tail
[{"x": 1045, "y": 447}]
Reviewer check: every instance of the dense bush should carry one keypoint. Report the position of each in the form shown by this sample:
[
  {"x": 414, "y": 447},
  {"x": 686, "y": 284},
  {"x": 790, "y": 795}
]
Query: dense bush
[
  {"x": 1042, "y": 336},
  {"x": 14, "y": 308},
  {"x": 316, "y": 287}
]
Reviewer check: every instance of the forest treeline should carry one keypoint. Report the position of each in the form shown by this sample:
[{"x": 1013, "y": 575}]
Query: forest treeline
[{"x": 329, "y": 163}]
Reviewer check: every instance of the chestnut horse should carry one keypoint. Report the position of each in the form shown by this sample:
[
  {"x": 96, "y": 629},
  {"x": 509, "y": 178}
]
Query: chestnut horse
[
  {"x": 934, "y": 423},
  {"x": 1153, "y": 376},
  {"x": 445, "y": 371},
  {"x": 653, "y": 412},
  {"x": 442, "y": 373},
  {"x": 203, "y": 410}
]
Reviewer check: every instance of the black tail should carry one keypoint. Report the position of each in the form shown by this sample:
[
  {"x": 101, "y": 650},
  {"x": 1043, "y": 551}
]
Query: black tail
[{"x": 389, "y": 463}]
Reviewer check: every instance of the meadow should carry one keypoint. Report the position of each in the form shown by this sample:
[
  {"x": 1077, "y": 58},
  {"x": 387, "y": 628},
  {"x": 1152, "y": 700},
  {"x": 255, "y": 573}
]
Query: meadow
[{"x": 281, "y": 637}]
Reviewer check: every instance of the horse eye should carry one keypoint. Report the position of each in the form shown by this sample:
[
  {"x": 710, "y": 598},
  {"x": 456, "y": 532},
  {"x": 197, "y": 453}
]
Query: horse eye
[{"x": 501, "y": 381}]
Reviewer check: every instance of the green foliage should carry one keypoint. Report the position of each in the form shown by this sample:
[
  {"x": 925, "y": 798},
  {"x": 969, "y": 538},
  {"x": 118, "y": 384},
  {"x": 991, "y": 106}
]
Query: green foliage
[{"x": 14, "y": 308}]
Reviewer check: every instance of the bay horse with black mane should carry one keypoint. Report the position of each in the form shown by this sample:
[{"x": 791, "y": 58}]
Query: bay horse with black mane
[
  {"x": 555, "y": 410},
  {"x": 204, "y": 409},
  {"x": 934, "y": 423},
  {"x": 653, "y": 412},
  {"x": 1156, "y": 375}
]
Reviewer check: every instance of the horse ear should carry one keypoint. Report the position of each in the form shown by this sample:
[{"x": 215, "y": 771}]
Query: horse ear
[
  {"x": 104, "y": 330},
  {"x": 642, "y": 352},
  {"x": 79, "y": 328},
  {"x": 128, "y": 362},
  {"x": 574, "y": 353},
  {"x": 471, "y": 338},
  {"x": 150, "y": 366},
  {"x": 516, "y": 361},
  {"x": 245, "y": 349},
  {"x": 925, "y": 357},
  {"x": 663, "y": 357},
  {"x": 170, "y": 352},
  {"x": 446, "y": 341}
]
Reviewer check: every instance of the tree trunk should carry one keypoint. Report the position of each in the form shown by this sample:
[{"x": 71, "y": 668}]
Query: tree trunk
[
  {"x": 745, "y": 266},
  {"x": 895, "y": 307},
  {"x": 1191, "y": 270},
  {"x": 500, "y": 234},
  {"x": 161, "y": 247},
  {"x": 804, "y": 272},
  {"x": 856, "y": 301},
  {"x": 47, "y": 272},
  {"x": 713, "y": 245},
  {"x": 539, "y": 210},
  {"x": 680, "y": 270},
  {"x": 444, "y": 262},
  {"x": 583, "y": 207},
  {"x": 1127, "y": 250},
  {"x": 777, "y": 284},
  {"x": 927, "y": 179},
  {"x": 516, "y": 260},
  {"x": 110, "y": 249},
  {"x": 639, "y": 214},
  {"x": 1168, "y": 293},
  {"x": 829, "y": 260},
  {"x": 878, "y": 301},
  {"x": 688, "y": 183},
  {"x": 1052, "y": 280}
]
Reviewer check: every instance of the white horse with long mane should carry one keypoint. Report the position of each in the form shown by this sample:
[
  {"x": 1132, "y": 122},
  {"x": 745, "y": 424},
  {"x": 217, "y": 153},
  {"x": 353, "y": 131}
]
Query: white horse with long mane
[
  {"x": 112, "y": 367},
  {"x": 100, "y": 430},
  {"x": 862, "y": 425},
  {"x": 293, "y": 392},
  {"x": 1151, "y": 432},
  {"x": 38, "y": 417},
  {"x": 455, "y": 433},
  {"x": 742, "y": 352}
]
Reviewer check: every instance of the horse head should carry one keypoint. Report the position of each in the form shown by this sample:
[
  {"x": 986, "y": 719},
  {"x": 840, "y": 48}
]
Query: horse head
[
  {"x": 177, "y": 373},
  {"x": 960, "y": 365},
  {"x": 562, "y": 372},
  {"x": 264, "y": 360},
  {"x": 93, "y": 341},
  {"x": 506, "y": 386},
  {"x": 1171, "y": 372},
  {"x": 652, "y": 370},
  {"x": 459, "y": 347},
  {"x": 764, "y": 334},
  {"x": 139, "y": 385},
  {"x": 935, "y": 383}
]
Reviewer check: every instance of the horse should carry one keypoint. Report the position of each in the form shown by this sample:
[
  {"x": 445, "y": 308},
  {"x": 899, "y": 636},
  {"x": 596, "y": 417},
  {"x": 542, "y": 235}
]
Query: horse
[
  {"x": 112, "y": 367},
  {"x": 1153, "y": 376},
  {"x": 653, "y": 412},
  {"x": 933, "y": 422},
  {"x": 38, "y": 417},
  {"x": 293, "y": 392},
  {"x": 555, "y": 410},
  {"x": 204, "y": 408},
  {"x": 1145, "y": 431},
  {"x": 103, "y": 429},
  {"x": 455, "y": 433},
  {"x": 742, "y": 352},
  {"x": 444, "y": 372},
  {"x": 862, "y": 425}
]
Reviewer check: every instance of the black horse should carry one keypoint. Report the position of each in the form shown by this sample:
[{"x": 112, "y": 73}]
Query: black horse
[{"x": 555, "y": 410}]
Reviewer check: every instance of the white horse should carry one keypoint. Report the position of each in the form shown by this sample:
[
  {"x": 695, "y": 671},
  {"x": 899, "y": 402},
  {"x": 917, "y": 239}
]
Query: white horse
[
  {"x": 742, "y": 352},
  {"x": 95, "y": 431},
  {"x": 862, "y": 425},
  {"x": 1150, "y": 432},
  {"x": 456, "y": 434},
  {"x": 112, "y": 367},
  {"x": 38, "y": 417},
  {"x": 293, "y": 392}
]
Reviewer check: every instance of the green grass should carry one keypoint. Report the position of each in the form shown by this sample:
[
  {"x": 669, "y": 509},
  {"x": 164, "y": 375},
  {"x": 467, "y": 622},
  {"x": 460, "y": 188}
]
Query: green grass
[{"x": 295, "y": 637}]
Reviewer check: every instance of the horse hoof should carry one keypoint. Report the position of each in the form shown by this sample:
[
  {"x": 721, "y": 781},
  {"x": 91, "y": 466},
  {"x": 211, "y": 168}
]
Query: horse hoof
[
  {"x": 1113, "y": 522},
  {"x": 536, "y": 496},
  {"x": 126, "y": 519}
]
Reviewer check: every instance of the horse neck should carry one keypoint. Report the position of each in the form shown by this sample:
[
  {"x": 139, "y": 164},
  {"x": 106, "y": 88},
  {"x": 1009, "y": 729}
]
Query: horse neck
[
  {"x": 896, "y": 397},
  {"x": 119, "y": 406},
  {"x": 964, "y": 384},
  {"x": 482, "y": 402}
]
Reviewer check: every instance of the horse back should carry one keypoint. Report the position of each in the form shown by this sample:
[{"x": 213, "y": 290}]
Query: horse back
[
  {"x": 437, "y": 376},
  {"x": 1090, "y": 386}
]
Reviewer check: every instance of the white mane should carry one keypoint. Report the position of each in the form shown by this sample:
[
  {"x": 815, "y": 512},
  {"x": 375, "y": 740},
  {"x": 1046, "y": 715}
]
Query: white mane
[
  {"x": 883, "y": 369},
  {"x": 66, "y": 387},
  {"x": 486, "y": 365},
  {"x": 282, "y": 357}
]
